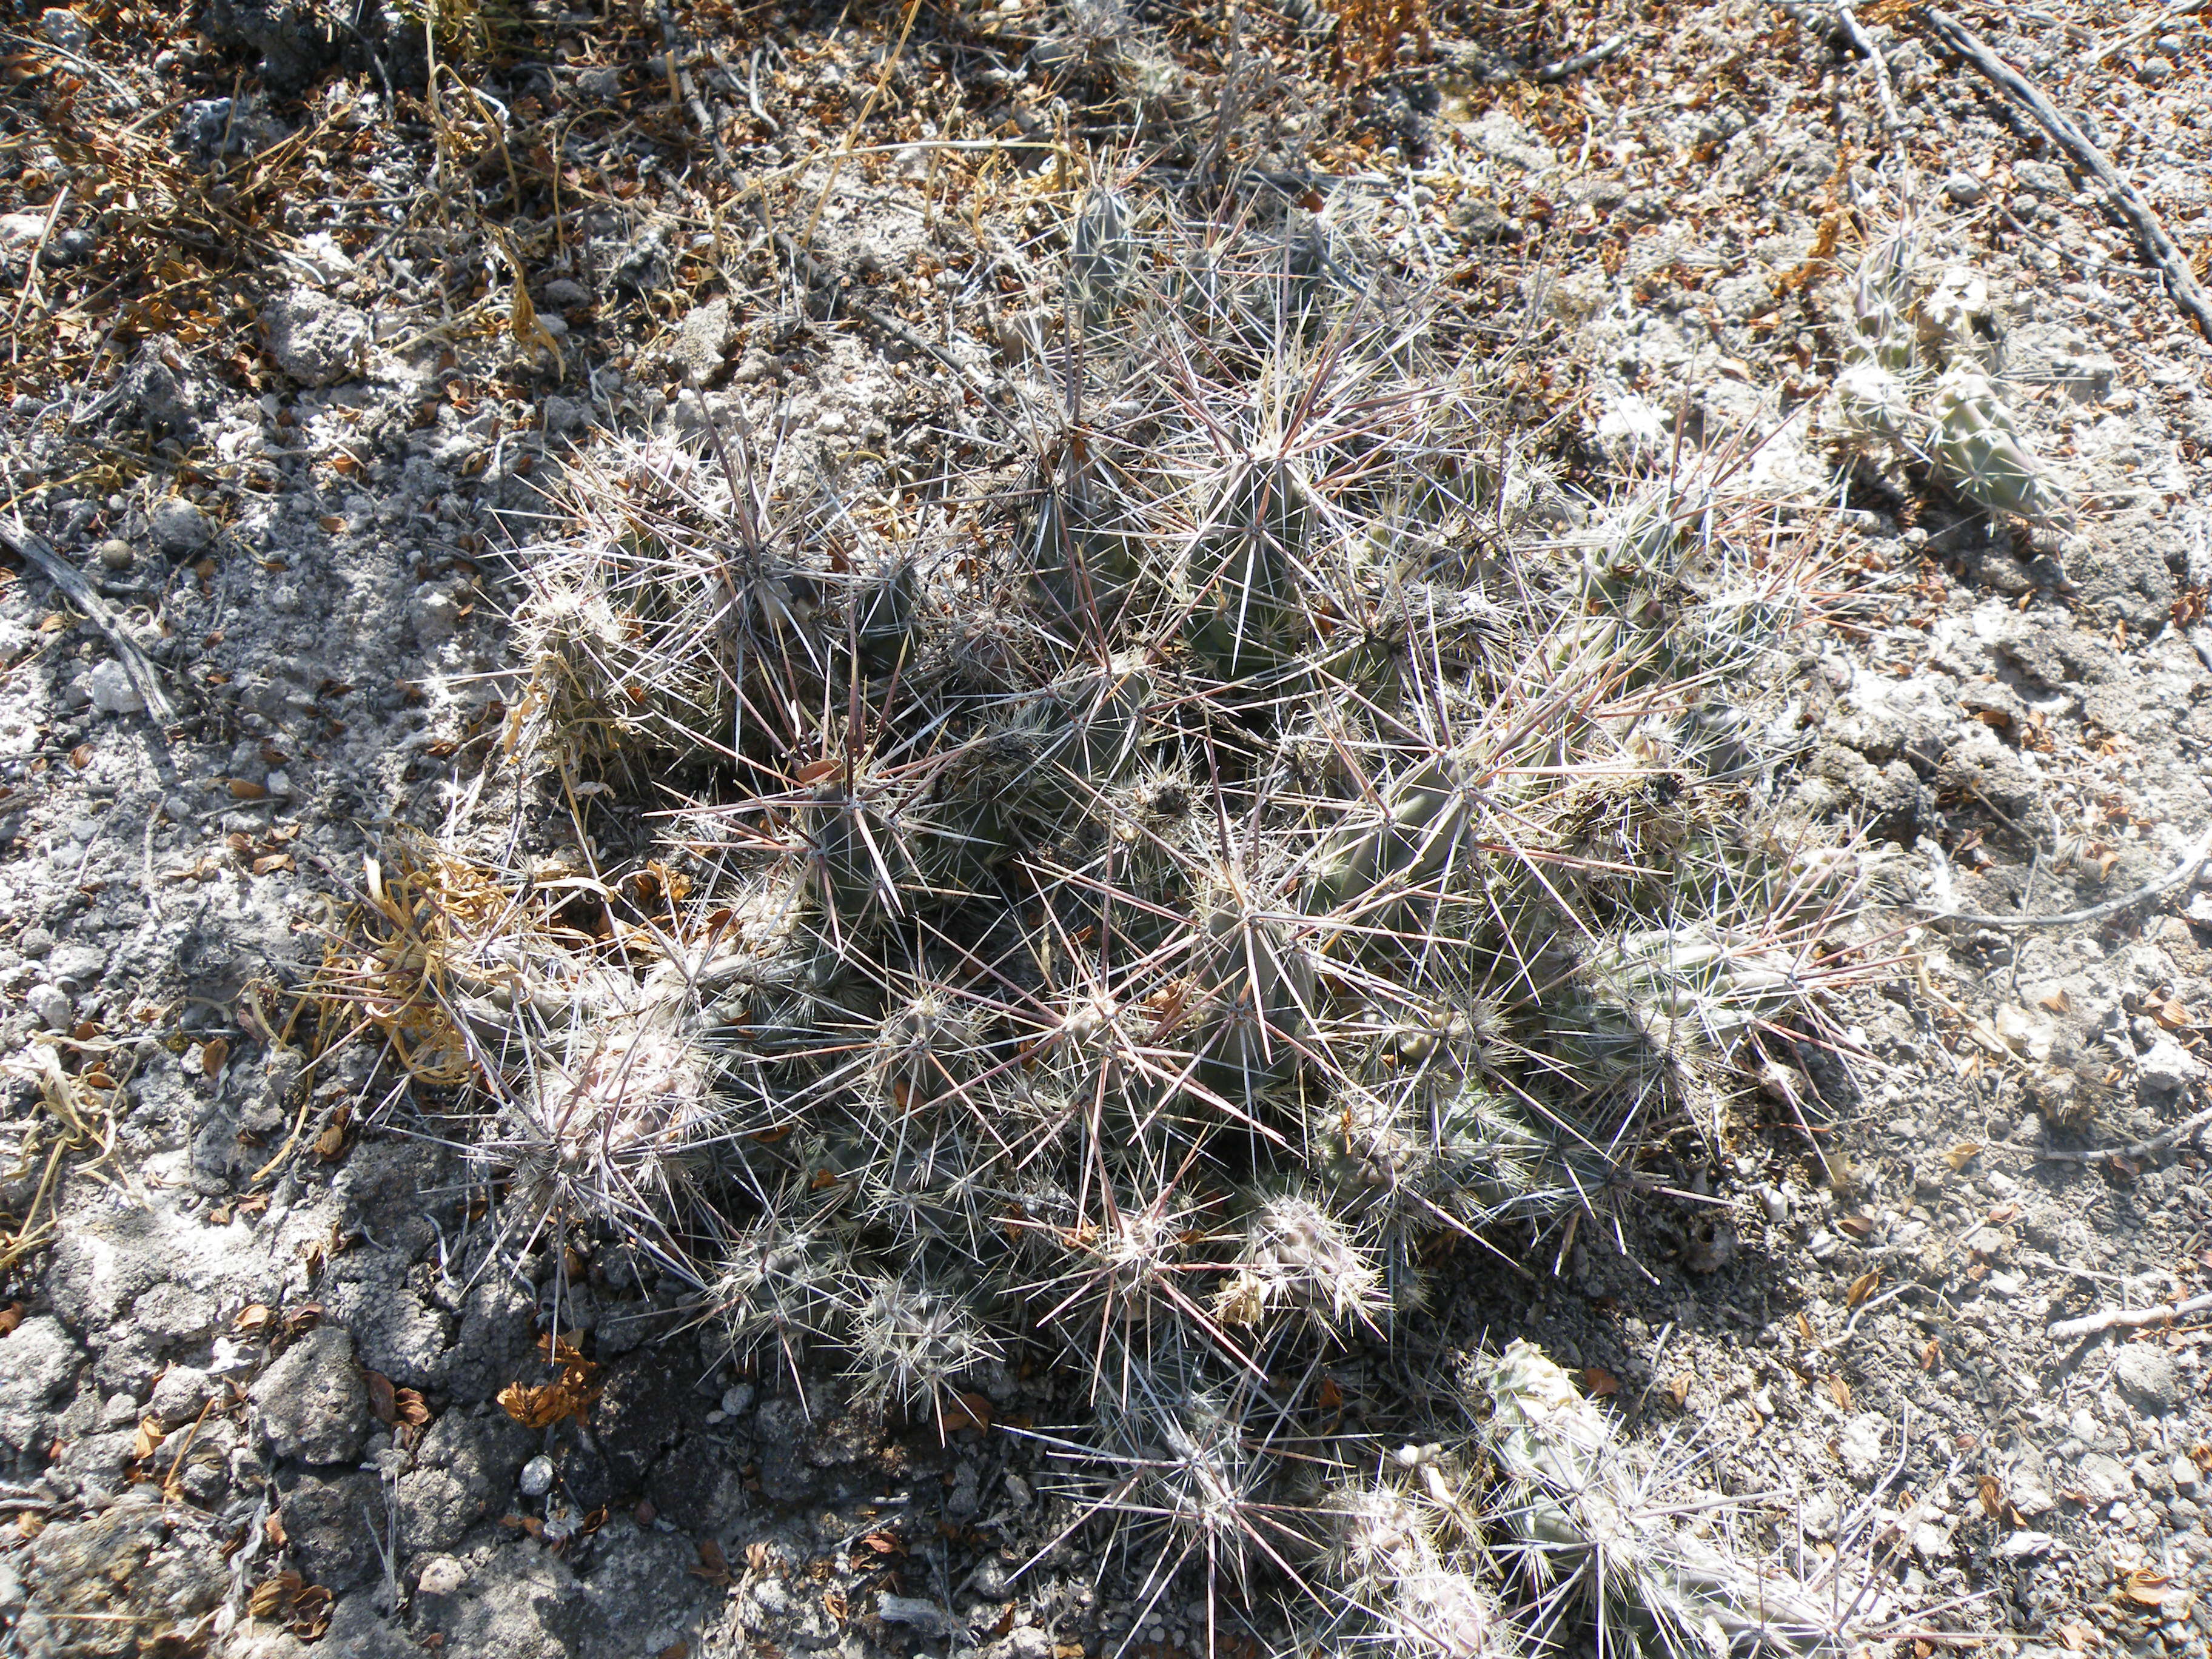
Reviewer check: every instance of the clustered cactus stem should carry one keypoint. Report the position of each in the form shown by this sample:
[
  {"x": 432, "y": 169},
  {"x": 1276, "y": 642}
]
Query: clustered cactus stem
[
  {"x": 1921, "y": 377},
  {"x": 1146, "y": 934}
]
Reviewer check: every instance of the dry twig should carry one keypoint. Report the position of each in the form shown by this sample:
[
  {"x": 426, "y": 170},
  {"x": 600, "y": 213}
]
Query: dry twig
[
  {"x": 2141, "y": 218},
  {"x": 2192, "y": 861},
  {"x": 2123, "y": 1318},
  {"x": 16, "y": 537},
  {"x": 2157, "y": 1143},
  {"x": 1862, "y": 41},
  {"x": 1604, "y": 52}
]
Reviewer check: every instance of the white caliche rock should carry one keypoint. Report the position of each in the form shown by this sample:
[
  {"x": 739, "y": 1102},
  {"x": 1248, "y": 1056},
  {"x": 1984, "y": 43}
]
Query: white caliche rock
[
  {"x": 52, "y": 1005},
  {"x": 64, "y": 28},
  {"x": 38, "y": 1370},
  {"x": 113, "y": 690},
  {"x": 315, "y": 339},
  {"x": 313, "y": 1401},
  {"x": 2166, "y": 1069}
]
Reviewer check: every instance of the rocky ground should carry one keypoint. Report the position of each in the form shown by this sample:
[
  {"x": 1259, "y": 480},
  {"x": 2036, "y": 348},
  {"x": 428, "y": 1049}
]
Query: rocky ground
[{"x": 299, "y": 349}]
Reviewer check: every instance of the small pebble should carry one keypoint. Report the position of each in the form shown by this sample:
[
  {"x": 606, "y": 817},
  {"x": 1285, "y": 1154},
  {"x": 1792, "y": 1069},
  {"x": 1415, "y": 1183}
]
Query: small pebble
[
  {"x": 52, "y": 1005},
  {"x": 180, "y": 527},
  {"x": 113, "y": 690},
  {"x": 537, "y": 1477},
  {"x": 117, "y": 554},
  {"x": 1963, "y": 188},
  {"x": 737, "y": 1400},
  {"x": 441, "y": 1576}
]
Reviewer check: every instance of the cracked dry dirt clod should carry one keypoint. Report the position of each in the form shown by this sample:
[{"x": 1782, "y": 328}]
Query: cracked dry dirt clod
[{"x": 312, "y": 1402}]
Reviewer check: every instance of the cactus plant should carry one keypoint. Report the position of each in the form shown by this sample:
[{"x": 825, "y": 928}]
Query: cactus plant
[
  {"x": 1145, "y": 936},
  {"x": 1592, "y": 1525},
  {"x": 1921, "y": 375}
]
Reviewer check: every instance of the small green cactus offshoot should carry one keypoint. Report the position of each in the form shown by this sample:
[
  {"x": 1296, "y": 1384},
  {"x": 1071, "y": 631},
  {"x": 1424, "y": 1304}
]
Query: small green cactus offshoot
[
  {"x": 1593, "y": 1526},
  {"x": 1083, "y": 559},
  {"x": 1241, "y": 582},
  {"x": 1104, "y": 254},
  {"x": 1972, "y": 440},
  {"x": 1920, "y": 373}
]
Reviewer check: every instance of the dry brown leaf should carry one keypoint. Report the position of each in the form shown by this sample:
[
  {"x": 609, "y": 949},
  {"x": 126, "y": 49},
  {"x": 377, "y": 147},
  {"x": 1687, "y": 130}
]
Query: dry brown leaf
[
  {"x": 1962, "y": 1155},
  {"x": 1679, "y": 1388},
  {"x": 522, "y": 320},
  {"x": 1863, "y": 1287},
  {"x": 409, "y": 1407},
  {"x": 966, "y": 1411},
  {"x": 10, "y": 1317},
  {"x": 1598, "y": 1382},
  {"x": 539, "y": 1406},
  {"x": 247, "y": 789},
  {"x": 2151, "y": 1590},
  {"x": 253, "y": 1319},
  {"x": 1930, "y": 1354},
  {"x": 1992, "y": 1492},
  {"x": 213, "y": 1053},
  {"x": 383, "y": 1399},
  {"x": 272, "y": 1595},
  {"x": 2078, "y": 1637},
  {"x": 148, "y": 1439},
  {"x": 714, "y": 1566},
  {"x": 2202, "y": 1454},
  {"x": 2001, "y": 1213},
  {"x": 1859, "y": 1227},
  {"x": 1840, "y": 1392},
  {"x": 2172, "y": 1015},
  {"x": 2057, "y": 1001},
  {"x": 1805, "y": 1328}
]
